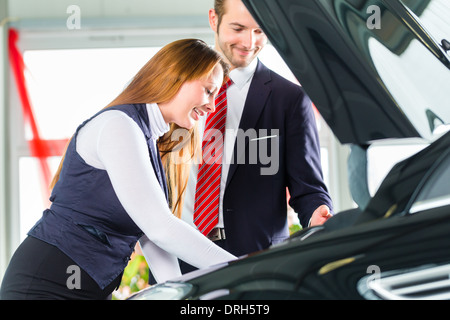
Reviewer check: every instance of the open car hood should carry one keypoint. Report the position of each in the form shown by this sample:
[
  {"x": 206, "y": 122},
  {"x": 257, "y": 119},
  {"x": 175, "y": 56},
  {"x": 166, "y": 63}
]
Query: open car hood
[{"x": 370, "y": 67}]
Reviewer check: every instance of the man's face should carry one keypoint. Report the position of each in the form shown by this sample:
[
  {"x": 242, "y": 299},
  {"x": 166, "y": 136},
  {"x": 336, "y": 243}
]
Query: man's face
[{"x": 238, "y": 37}]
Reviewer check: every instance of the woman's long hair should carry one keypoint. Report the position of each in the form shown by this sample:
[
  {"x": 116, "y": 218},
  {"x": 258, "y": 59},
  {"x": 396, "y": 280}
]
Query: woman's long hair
[{"x": 158, "y": 81}]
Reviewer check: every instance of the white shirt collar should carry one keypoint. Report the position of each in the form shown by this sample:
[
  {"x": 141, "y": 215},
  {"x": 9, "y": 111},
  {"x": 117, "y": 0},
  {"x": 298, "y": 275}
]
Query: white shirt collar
[
  {"x": 157, "y": 124},
  {"x": 241, "y": 76}
]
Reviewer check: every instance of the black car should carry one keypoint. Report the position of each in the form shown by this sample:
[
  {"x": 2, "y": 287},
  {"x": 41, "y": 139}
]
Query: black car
[{"x": 374, "y": 72}]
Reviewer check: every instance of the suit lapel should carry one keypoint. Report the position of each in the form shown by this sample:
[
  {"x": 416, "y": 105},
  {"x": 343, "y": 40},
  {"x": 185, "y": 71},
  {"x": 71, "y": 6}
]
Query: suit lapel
[{"x": 254, "y": 105}]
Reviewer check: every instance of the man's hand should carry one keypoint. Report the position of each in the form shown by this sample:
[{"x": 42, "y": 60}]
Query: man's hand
[{"x": 320, "y": 215}]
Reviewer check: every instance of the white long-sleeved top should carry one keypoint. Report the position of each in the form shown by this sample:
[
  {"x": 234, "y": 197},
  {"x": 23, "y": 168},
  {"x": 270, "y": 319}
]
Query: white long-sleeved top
[{"x": 113, "y": 141}]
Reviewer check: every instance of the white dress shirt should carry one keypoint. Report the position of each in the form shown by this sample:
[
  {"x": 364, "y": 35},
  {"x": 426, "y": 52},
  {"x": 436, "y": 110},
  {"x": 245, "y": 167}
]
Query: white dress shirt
[{"x": 236, "y": 97}]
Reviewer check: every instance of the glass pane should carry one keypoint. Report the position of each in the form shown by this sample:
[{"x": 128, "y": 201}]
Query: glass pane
[
  {"x": 68, "y": 86},
  {"x": 33, "y": 195},
  {"x": 435, "y": 191}
]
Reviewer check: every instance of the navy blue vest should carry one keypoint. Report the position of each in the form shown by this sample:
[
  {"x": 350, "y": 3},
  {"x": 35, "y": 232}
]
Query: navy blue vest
[{"x": 86, "y": 219}]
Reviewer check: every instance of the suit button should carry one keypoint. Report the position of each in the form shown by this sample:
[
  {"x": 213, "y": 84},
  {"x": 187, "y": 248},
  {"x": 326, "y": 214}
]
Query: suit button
[{"x": 229, "y": 210}]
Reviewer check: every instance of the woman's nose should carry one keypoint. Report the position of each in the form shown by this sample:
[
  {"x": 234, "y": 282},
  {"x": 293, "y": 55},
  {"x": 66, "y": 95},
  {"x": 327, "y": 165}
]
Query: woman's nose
[
  {"x": 212, "y": 103},
  {"x": 211, "y": 107}
]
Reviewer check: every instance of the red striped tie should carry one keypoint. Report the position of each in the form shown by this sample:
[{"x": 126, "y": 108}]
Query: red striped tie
[{"x": 206, "y": 208}]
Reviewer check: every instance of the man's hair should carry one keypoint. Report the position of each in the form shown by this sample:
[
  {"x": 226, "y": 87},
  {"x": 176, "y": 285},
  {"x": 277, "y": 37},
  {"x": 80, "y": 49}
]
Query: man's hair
[{"x": 219, "y": 7}]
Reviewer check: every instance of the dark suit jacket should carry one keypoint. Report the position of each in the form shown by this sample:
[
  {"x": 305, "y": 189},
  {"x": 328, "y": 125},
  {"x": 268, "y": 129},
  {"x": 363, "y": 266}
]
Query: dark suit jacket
[{"x": 254, "y": 204}]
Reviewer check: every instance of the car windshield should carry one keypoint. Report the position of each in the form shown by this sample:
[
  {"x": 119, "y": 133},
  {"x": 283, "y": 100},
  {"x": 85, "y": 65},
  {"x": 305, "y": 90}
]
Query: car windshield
[
  {"x": 434, "y": 190},
  {"x": 415, "y": 76}
]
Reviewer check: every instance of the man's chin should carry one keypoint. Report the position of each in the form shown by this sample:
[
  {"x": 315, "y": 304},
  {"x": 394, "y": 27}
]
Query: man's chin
[{"x": 241, "y": 63}]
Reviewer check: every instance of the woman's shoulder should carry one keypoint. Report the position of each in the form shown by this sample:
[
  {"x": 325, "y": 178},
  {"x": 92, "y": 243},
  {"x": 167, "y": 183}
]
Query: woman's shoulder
[{"x": 109, "y": 121}]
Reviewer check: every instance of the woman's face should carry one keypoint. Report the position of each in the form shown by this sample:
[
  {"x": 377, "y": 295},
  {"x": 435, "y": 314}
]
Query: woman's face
[{"x": 194, "y": 100}]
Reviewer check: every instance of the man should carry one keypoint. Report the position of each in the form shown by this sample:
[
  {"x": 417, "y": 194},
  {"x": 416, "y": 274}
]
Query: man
[{"x": 274, "y": 115}]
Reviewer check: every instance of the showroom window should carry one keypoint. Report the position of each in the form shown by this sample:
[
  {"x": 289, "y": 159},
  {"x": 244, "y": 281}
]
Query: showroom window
[{"x": 66, "y": 87}]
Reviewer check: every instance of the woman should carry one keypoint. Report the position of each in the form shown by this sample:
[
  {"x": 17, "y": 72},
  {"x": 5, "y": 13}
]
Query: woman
[{"x": 110, "y": 189}]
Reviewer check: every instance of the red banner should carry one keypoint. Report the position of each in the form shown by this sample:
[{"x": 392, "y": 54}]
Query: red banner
[{"x": 40, "y": 149}]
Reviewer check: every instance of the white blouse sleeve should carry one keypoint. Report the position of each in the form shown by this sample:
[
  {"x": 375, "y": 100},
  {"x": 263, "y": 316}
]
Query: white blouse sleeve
[
  {"x": 114, "y": 142},
  {"x": 163, "y": 265}
]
